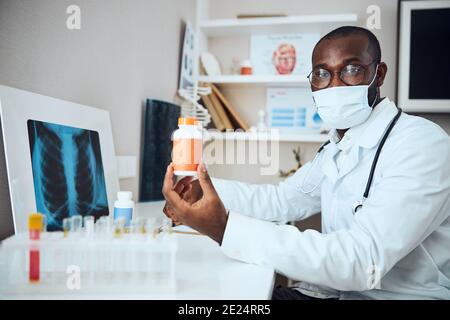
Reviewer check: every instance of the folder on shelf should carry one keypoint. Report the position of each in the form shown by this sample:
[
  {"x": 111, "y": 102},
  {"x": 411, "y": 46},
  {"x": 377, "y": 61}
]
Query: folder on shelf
[
  {"x": 221, "y": 111},
  {"x": 232, "y": 111},
  {"x": 212, "y": 111}
]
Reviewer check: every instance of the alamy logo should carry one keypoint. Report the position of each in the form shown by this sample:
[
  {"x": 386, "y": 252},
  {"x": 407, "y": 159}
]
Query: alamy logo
[
  {"x": 74, "y": 277},
  {"x": 374, "y": 277},
  {"x": 374, "y": 18},
  {"x": 73, "y": 22}
]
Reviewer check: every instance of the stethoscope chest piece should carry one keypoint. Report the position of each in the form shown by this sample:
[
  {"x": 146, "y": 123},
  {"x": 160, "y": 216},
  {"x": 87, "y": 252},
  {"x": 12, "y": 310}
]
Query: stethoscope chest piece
[{"x": 356, "y": 206}]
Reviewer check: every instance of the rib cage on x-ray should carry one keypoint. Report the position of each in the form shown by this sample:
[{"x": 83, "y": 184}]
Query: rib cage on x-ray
[{"x": 67, "y": 172}]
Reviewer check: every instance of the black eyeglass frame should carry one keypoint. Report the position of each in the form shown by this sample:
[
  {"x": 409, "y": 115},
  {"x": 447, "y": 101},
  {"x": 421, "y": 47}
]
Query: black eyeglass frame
[{"x": 365, "y": 66}]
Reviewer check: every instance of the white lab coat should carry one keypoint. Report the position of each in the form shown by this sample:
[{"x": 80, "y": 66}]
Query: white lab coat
[{"x": 401, "y": 235}]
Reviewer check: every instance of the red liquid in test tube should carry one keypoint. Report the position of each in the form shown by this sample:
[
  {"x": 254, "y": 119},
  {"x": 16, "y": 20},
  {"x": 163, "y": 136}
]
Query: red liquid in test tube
[{"x": 35, "y": 221}]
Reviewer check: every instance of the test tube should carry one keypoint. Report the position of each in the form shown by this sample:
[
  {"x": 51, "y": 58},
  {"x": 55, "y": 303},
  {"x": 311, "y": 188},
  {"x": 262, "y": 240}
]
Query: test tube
[
  {"x": 136, "y": 225},
  {"x": 141, "y": 226},
  {"x": 109, "y": 224},
  {"x": 119, "y": 225},
  {"x": 166, "y": 225},
  {"x": 150, "y": 226},
  {"x": 35, "y": 228},
  {"x": 44, "y": 223},
  {"x": 66, "y": 226},
  {"x": 76, "y": 223},
  {"x": 88, "y": 222}
]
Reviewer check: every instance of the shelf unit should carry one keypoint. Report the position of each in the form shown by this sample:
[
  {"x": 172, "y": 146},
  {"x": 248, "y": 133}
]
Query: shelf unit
[
  {"x": 226, "y": 27},
  {"x": 261, "y": 136},
  {"x": 207, "y": 28},
  {"x": 255, "y": 80}
]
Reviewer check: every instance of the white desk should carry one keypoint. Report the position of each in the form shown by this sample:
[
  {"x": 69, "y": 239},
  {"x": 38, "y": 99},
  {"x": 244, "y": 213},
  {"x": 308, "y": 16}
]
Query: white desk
[{"x": 202, "y": 272}]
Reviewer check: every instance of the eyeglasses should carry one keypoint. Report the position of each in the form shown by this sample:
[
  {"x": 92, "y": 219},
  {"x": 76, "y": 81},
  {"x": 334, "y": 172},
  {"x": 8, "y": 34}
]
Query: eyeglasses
[{"x": 351, "y": 75}]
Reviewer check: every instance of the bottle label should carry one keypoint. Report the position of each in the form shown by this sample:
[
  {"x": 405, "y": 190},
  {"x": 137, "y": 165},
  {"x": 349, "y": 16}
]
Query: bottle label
[
  {"x": 187, "y": 154},
  {"x": 123, "y": 212}
]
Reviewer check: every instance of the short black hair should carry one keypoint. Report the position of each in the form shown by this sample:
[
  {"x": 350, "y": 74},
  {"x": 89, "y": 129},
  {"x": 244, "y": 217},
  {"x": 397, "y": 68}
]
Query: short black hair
[{"x": 341, "y": 32}]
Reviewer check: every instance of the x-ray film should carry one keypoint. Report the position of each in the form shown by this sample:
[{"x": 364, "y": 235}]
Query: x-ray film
[{"x": 67, "y": 172}]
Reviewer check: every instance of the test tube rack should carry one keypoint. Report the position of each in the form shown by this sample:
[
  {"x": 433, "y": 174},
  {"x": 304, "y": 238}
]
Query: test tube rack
[{"x": 78, "y": 263}]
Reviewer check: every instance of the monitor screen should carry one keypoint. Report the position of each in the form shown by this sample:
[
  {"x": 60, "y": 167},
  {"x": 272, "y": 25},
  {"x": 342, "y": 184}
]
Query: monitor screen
[{"x": 429, "y": 54}]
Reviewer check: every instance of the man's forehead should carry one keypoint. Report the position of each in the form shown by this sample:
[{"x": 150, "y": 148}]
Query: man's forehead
[{"x": 337, "y": 51}]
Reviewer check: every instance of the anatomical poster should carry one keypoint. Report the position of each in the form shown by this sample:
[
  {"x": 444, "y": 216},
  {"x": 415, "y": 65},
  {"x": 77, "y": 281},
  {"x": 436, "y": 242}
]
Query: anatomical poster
[
  {"x": 282, "y": 54},
  {"x": 67, "y": 172}
]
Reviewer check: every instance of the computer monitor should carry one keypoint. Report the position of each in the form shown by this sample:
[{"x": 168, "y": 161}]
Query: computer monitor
[
  {"x": 424, "y": 66},
  {"x": 6, "y": 217}
]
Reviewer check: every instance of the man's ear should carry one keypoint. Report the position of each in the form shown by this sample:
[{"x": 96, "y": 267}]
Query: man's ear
[{"x": 381, "y": 73}]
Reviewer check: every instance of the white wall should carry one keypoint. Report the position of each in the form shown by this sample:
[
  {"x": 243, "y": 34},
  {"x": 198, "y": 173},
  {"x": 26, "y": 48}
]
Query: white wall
[{"x": 125, "y": 52}]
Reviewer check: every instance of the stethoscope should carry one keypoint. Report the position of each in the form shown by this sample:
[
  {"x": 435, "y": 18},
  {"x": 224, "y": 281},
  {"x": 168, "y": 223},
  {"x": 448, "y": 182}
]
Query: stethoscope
[{"x": 359, "y": 204}]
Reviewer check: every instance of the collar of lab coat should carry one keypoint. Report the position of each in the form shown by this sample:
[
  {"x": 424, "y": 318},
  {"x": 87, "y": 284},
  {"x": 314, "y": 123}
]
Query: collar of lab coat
[
  {"x": 369, "y": 133},
  {"x": 366, "y": 135}
]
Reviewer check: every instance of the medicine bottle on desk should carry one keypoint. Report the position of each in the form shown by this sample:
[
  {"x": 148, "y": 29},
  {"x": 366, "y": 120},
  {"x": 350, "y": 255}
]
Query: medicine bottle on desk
[
  {"x": 123, "y": 207},
  {"x": 187, "y": 147}
]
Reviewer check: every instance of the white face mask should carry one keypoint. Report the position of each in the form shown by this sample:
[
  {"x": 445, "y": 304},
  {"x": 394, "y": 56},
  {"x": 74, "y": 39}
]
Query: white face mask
[{"x": 344, "y": 107}]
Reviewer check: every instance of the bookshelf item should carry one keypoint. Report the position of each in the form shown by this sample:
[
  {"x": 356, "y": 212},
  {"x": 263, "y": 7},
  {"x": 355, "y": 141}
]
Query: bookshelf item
[
  {"x": 246, "y": 68},
  {"x": 214, "y": 115},
  {"x": 259, "y": 16},
  {"x": 282, "y": 54},
  {"x": 230, "y": 108},
  {"x": 221, "y": 111},
  {"x": 292, "y": 110},
  {"x": 210, "y": 64}
]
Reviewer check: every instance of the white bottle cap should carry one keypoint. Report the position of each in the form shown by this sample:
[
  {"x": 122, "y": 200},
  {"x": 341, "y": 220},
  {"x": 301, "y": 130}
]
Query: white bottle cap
[
  {"x": 246, "y": 64},
  {"x": 124, "y": 195}
]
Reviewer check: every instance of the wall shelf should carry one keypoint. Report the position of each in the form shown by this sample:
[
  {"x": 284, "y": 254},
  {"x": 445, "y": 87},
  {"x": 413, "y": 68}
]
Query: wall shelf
[
  {"x": 251, "y": 136},
  {"x": 227, "y": 38},
  {"x": 257, "y": 80},
  {"x": 225, "y": 27}
]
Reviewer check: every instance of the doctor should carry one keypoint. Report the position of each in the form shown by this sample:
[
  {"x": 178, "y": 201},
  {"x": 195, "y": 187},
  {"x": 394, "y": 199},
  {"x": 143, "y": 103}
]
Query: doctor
[{"x": 382, "y": 184}]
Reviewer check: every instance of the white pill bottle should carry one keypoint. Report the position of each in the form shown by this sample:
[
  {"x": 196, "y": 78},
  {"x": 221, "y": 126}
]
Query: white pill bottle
[
  {"x": 124, "y": 206},
  {"x": 187, "y": 147}
]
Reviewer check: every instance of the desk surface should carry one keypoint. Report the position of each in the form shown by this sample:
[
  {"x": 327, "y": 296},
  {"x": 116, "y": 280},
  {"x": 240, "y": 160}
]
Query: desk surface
[{"x": 202, "y": 272}]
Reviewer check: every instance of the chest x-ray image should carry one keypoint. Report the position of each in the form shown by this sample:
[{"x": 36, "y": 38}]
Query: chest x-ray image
[{"x": 67, "y": 172}]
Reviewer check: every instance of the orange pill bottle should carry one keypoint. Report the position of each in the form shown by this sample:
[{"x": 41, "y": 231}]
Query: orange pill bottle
[{"x": 187, "y": 147}]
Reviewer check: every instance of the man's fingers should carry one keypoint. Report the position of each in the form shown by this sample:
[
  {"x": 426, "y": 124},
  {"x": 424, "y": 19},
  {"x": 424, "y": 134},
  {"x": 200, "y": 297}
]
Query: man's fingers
[
  {"x": 186, "y": 190},
  {"x": 205, "y": 180},
  {"x": 186, "y": 180},
  {"x": 182, "y": 185},
  {"x": 179, "y": 188},
  {"x": 168, "y": 180},
  {"x": 173, "y": 199},
  {"x": 171, "y": 215},
  {"x": 165, "y": 210}
]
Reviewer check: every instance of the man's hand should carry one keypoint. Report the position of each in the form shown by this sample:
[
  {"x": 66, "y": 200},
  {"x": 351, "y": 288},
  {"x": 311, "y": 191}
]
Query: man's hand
[
  {"x": 188, "y": 190},
  {"x": 206, "y": 214}
]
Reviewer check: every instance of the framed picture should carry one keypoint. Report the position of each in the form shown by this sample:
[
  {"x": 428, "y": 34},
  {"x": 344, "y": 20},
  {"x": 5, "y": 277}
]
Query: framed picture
[
  {"x": 188, "y": 61},
  {"x": 292, "y": 110},
  {"x": 60, "y": 158},
  {"x": 282, "y": 54}
]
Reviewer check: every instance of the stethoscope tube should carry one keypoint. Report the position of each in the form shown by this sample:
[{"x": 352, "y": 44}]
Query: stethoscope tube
[{"x": 358, "y": 205}]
